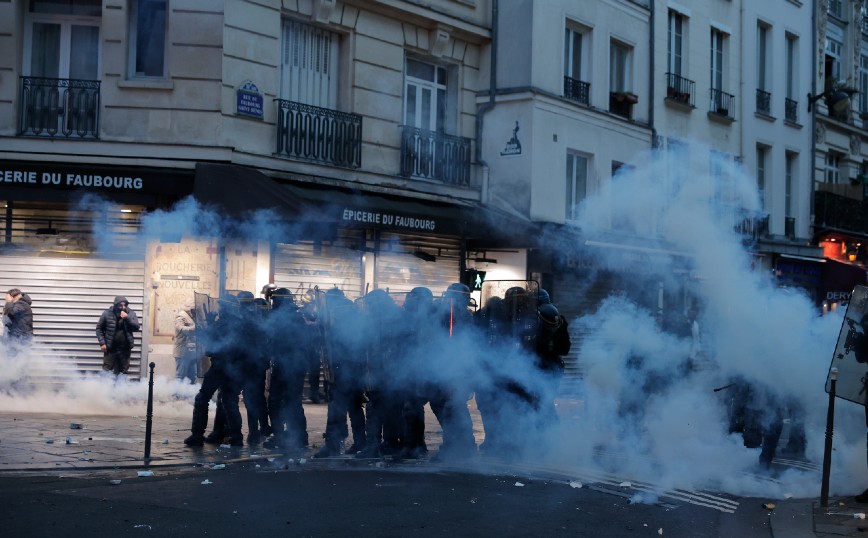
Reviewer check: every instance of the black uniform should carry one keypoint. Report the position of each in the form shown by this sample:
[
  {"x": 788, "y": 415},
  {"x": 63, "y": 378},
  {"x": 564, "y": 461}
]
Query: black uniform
[{"x": 289, "y": 351}]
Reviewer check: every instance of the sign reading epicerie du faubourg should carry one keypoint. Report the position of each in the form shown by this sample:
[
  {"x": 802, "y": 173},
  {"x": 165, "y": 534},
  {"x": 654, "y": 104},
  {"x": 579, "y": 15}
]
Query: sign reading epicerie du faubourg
[
  {"x": 65, "y": 179},
  {"x": 388, "y": 219}
]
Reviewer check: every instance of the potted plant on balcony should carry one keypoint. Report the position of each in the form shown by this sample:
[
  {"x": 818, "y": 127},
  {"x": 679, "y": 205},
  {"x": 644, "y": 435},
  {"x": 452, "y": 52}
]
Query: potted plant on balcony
[{"x": 626, "y": 97}]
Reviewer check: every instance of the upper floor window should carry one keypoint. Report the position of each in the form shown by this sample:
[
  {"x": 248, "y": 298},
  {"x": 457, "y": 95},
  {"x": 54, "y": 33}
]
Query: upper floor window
[
  {"x": 147, "y": 30},
  {"x": 792, "y": 65},
  {"x": 620, "y": 67},
  {"x": 762, "y": 56},
  {"x": 718, "y": 57},
  {"x": 675, "y": 43},
  {"x": 833, "y": 61},
  {"x": 863, "y": 83},
  {"x": 62, "y": 40},
  {"x": 577, "y": 183},
  {"x": 789, "y": 179},
  {"x": 762, "y": 153},
  {"x": 833, "y": 168},
  {"x": 309, "y": 65},
  {"x": 836, "y": 8},
  {"x": 425, "y": 93},
  {"x": 576, "y": 53}
]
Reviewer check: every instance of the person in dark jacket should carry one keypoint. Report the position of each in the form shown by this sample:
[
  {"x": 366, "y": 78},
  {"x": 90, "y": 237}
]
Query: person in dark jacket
[
  {"x": 17, "y": 320},
  {"x": 114, "y": 331}
]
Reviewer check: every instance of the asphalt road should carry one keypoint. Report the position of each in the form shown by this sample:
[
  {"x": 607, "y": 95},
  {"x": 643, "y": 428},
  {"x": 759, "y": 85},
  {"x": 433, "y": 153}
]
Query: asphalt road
[{"x": 315, "y": 499}]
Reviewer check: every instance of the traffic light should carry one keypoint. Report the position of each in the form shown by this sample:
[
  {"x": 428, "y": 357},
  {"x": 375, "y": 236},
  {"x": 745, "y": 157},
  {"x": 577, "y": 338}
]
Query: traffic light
[{"x": 474, "y": 279}]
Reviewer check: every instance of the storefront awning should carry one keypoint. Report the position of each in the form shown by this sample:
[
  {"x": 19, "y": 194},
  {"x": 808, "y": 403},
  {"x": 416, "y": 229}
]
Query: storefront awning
[
  {"x": 239, "y": 191},
  {"x": 839, "y": 279}
]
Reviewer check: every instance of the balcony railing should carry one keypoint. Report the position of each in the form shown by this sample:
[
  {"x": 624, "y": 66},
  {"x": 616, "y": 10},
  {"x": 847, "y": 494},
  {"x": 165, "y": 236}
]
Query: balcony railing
[
  {"x": 721, "y": 102},
  {"x": 836, "y": 211},
  {"x": 577, "y": 90},
  {"x": 790, "y": 227},
  {"x": 679, "y": 89},
  {"x": 59, "y": 107},
  {"x": 311, "y": 133},
  {"x": 435, "y": 156},
  {"x": 791, "y": 110},
  {"x": 752, "y": 228},
  {"x": 763, "y": 102}
]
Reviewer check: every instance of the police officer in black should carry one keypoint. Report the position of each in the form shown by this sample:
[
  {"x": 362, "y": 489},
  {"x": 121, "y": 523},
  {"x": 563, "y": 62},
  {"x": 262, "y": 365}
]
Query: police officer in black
[
  {"x": 450, "y": 389},
  {"x": 289, "y": 349},
  {"x": 338, "y": 319},
  {"x": 225, "y": 342},
  {"x": 418, "y": 324},
  {"x": 383, "y": 422}
]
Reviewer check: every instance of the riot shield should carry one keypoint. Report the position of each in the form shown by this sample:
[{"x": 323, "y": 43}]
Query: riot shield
[
  {"x": 520, "y": 299},
  {"x": 851, "y": 352}
]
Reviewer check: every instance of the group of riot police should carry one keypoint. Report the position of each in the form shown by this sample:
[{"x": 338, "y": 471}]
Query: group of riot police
[{"x": 383, "y": 360}]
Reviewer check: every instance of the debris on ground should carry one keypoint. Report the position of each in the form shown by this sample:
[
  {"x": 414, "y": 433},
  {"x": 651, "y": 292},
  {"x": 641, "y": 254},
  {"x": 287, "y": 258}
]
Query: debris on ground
[
  {"x": 115, "y": 482},
  {"x": 206, "y": 482},
  {"x": 769, "y": 506},
  {"x": 575, "y": 484},
  {"x": 519, "y": 485},
  {"x": 146, "y": 473}
]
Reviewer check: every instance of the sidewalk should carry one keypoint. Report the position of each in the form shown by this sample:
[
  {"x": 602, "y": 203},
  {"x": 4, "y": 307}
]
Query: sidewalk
[{"x": 50, "y": 443}]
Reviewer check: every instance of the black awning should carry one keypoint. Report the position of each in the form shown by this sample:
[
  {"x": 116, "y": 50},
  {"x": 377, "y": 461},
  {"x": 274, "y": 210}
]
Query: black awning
[
  {"x": 839, "y": 279},
  {"x": 239, "y": 191}
]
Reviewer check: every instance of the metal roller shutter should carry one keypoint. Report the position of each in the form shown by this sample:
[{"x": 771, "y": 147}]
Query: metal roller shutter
[
  {"x": 303, "y": 265},
  {"x": 68, "y": 297},
  {"x": 401, "y": 267},
  {"x": 577, "y": 295}
]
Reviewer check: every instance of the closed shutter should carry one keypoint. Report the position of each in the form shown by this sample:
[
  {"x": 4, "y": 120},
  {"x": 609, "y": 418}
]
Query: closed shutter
[
  {"x": 578, "y": 294},
  {"x": 303, "y": 265},
  {"x": 309, "y": 65},
  {"x": 69, "y": 295},
  {"x": 401, "y": 265}
]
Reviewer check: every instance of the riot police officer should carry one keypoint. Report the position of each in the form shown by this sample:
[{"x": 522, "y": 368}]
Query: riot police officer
[
  {"x": 338, "y": 319},
  {"x": 288, "y": 348}
]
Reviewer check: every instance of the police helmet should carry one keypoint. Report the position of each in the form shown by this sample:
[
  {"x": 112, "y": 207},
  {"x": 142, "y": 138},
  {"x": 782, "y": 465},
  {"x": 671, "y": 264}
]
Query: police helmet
[
  {"x": 549, "y": 314},
  {"x": 417, "y": 297},
  {"x": 281, "y": 297},
  {"x": 268, "y": 290},
  {"x": 334, "y": 293},
  {"x": 458, "y": 292},
  {"x": 245, "y": 298},
  {"x": 543, "y": 297}
]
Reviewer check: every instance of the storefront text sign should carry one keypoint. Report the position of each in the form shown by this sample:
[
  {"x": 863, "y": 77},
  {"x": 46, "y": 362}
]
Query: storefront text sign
[
  {"x": 388, "y": 219},
  {"x": 97, "y": 179}
]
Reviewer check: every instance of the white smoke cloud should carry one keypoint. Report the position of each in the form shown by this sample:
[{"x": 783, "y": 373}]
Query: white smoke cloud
[{"x": 640, "y": 412}]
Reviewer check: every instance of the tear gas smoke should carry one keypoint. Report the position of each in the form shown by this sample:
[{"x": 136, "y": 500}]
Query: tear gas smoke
[{"x": 639, "y": 411}]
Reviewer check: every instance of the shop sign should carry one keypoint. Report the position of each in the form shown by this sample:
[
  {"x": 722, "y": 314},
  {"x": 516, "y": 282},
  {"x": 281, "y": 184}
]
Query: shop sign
[
  {"x": 97, "y": 179},
  {"x": 389, "y": 220},
  {"x": 249, "y": 101}
]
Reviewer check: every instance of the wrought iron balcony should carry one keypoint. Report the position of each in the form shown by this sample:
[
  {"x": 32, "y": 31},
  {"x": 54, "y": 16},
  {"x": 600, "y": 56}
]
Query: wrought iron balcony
[
  {"x": 59, "y": 107},
  {"x": 752, "y": 228},
  {"x": 436, "y": 156},
  {"x": 763, "y": 102},
  {"x": 680, "y": 89},
  {"x": 312, "y": 133},
  {"x": 577, "y": 90},
  {"x": 836, "y": 211},
  {"x": 721, "y": 102},
  {"x": 791, "y": 110}
]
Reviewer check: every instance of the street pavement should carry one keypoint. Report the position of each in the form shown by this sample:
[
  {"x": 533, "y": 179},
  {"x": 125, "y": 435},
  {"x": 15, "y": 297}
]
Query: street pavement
[{"x": 42, "y": 446}]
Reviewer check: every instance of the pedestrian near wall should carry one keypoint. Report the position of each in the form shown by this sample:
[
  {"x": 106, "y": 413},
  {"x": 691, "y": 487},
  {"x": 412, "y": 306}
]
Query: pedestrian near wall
[
  {"x": 186, "y": 358},
  {"x": 114, "y": 331},
  {"x": 17, "y": 321}
]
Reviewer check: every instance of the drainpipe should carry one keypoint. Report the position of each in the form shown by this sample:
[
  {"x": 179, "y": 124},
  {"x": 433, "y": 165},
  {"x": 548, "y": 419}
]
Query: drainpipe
[
  {"x": 485, "y": 107},
  {"x": 651, "y": 82},
  {"x": 813, "y": 113}
]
